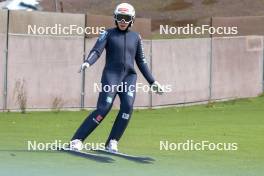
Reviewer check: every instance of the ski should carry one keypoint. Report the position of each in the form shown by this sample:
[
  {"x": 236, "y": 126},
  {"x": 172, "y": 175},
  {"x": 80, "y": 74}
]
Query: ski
[
  {"x": 87, "y": 155},
  {"x": 140, "y": 159}
]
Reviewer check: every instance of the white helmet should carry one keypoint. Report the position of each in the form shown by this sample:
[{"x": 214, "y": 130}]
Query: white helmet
[{"x": 125, "y": 12}]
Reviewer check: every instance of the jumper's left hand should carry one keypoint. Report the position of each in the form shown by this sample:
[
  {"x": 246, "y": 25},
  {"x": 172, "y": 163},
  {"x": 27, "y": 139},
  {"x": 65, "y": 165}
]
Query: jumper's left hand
[{"x": 157, "y": 88}]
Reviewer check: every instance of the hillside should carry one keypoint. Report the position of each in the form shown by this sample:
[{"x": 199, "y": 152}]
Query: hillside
[{"x": 174, "y": 12}]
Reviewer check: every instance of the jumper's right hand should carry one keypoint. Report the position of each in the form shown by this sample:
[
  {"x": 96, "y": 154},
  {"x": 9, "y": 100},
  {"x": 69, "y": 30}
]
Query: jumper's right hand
[{"x": 84, "y": 66}]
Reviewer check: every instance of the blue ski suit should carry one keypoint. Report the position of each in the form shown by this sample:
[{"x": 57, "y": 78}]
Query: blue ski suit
[{"x": 122, "y": 49}]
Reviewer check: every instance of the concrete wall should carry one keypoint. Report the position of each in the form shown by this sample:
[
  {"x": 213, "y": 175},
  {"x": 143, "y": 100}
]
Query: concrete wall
[
  {"x": 3, "y": 20},
  {"x": 237, "y": 67},
  {"x": 20, "y": 20},
  {"x": 183, "y": 64},
  {"x": 48, "y": 65},
  {"x": 248, "y": 25}
]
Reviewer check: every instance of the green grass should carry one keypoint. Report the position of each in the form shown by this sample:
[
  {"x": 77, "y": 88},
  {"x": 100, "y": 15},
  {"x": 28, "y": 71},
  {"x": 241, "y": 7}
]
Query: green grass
[{"x": 238, "y": 121}]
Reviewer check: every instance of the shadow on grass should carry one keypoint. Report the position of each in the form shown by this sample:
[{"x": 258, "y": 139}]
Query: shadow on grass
[
  {"x": 86, "y": 155},
  {"x": 137, "y": 159}
]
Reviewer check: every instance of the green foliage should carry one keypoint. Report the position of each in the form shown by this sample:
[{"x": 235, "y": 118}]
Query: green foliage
[{"x": 20, "y": 95}]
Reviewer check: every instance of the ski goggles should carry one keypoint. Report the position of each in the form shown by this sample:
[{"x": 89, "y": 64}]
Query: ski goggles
[{"x": 121, "y": 17}]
